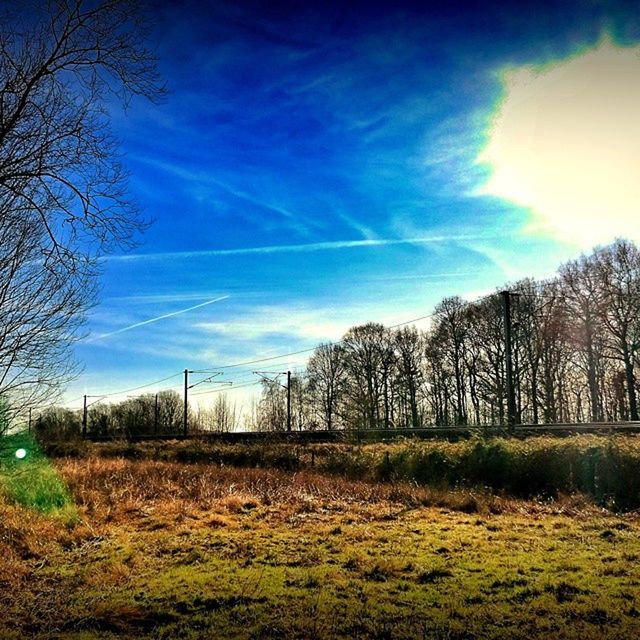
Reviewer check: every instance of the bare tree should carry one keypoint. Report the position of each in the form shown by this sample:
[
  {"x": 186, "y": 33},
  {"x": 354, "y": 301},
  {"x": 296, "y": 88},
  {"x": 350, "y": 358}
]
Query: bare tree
[
  {"x": 618, "y": 269},
  {"x": 438, "y": 375},
  {"x": 367, "y": 391},
  {"x": 58, "y": 63},
  {"x": 409, "y": 346},
  {"x": 170, "y": 411},
  {"x": 272, "y": 409},
  {"x": 41, "y": 313},
  {"x": 584, "y": 297},
  {"x": 453, "y": 324},
  {"x": 326, "y": 373},
  {"x": 224, "y": 414},
  {"x": 62, "y": 186},
  {"x": 486, "y": 336}
]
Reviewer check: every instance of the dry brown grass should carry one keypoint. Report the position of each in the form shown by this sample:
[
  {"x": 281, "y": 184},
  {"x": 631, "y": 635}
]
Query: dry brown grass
[
  {"x": 605, "y": 468},
  {"x": 160, "y": 544},
  {"x": 116, "y": 489}
]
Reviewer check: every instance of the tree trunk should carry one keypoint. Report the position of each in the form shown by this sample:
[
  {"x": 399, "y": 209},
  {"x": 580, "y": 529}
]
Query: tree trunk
[{"x": 631, "y": 385}]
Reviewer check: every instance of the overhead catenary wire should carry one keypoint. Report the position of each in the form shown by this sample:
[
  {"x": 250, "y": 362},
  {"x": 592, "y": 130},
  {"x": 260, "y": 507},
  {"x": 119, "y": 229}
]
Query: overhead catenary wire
[
  {"x": 273, "y": 358},
  {"x": 209, "y": 379},
  {"x": 98, "y": 399},
  {"x": 335, "y": 342},
  {"x": 233, "y": 388},
  {"x": 142, "y": 386}
]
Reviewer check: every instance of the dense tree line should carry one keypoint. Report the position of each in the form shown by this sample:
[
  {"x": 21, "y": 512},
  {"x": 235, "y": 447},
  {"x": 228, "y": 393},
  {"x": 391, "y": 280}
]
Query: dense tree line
[
  {"x": 575, "y": 351},
  {"x": 148, "y": 414}
]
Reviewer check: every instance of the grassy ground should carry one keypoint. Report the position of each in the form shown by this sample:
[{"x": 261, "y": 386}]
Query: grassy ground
[{"x": 170, "y": 550}]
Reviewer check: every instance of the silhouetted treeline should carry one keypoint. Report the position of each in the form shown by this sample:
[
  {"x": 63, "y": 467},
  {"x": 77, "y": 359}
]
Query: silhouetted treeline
[
  {"x": 576, "y": 341},
  {"x": 161, "y": 413},
  {"x": 575, "y": 352}
]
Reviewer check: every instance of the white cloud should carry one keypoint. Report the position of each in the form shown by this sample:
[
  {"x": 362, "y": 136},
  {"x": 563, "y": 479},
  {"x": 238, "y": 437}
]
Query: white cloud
[
  {"x": 565, "y": 142},
  {"x": 260, "y": 323}
]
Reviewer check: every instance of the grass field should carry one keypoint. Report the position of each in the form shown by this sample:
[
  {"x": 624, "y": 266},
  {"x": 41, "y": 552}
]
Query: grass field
[{"x": 165, "y": 549}]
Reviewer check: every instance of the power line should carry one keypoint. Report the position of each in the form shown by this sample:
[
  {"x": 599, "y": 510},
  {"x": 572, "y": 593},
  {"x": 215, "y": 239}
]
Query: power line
[
  {"x": 278, "y": 357},
  {"x": 99, "y": 398},
  {"x": 402, "y": 324},
  {"x": 329, "y": 344},
  {"x": 241, "y": 386},
  {"x": 142, "y": 386},
  {"x": 272, "y": 358}
]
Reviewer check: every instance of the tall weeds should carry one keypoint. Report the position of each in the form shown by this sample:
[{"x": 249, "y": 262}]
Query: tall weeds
[{"x": 605, "y": 468}]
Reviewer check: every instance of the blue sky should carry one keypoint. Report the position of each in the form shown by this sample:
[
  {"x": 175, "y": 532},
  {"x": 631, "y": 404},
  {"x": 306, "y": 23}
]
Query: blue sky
[{"x": 317, "y": 167}]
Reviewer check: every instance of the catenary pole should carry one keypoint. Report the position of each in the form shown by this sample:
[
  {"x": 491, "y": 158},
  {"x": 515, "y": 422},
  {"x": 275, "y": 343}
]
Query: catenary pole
[
  {"x": 186, "y": 406},
  {"x": 511, "y": 395},
  {"x": 84, "y": 418},
  {"x": 288, "y": 400}
]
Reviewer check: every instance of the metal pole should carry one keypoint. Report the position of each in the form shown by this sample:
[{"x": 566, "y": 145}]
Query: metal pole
[
  {"x": 29, "y": 420},
  {"x": 186, "y": 406},
  {"x": 84, "y": 418},
  {"x": 155, "y": 417},
  {"x": 511, "y": 396},
  {"x": 288, "y": 400}
]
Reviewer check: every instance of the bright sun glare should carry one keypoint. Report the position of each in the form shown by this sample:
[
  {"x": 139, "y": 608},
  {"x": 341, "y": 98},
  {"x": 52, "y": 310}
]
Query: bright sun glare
[
  {"x": 21, "y": 453},
  {"x": 565, "y": 142}
]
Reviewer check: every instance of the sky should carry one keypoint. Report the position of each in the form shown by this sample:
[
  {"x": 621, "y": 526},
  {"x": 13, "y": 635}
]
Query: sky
[{"x": 317, "y": 166}]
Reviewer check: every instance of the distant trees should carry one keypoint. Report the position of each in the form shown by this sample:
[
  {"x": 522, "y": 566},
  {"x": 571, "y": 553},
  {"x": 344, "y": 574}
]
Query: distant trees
[
  {"x": 221, "y": 417},
  {"x": 146, "y": 415},
  {"x": 576, "y": 345},
  {"x": 62, "y": 186},
  {"x": 58, "y": 423},
  {"x": 576, "y": 353}
]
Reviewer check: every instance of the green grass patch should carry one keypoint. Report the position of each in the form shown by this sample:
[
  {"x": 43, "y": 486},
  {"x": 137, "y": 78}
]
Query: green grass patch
[{"x": 28, "y": 478}]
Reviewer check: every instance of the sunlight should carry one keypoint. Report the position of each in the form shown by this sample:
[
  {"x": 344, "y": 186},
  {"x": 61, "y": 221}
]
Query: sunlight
[{"x": 565, "y": 142}]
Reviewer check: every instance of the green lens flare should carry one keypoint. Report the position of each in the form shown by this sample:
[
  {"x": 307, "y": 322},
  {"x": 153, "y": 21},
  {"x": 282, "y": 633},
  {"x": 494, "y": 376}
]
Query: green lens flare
[{"x": 21, "y": 453}]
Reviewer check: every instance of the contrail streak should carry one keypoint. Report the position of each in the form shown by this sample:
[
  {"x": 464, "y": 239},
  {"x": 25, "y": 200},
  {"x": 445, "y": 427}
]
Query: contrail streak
[
  {"x": 297, "y": 248},
  {"x": 162, "y": 317}
]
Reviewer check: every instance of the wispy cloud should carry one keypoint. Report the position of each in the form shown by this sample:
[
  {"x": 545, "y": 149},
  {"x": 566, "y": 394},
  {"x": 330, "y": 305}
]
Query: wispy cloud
[
  {"x": 330, "y": 245},
  {"x": 160, "y": 298},
  {"x": 297, "y": 220},
  {"x": 156, "y": 319},
  {"x": 293, "y": 217},
  {"x": 427, "y": 276}
]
